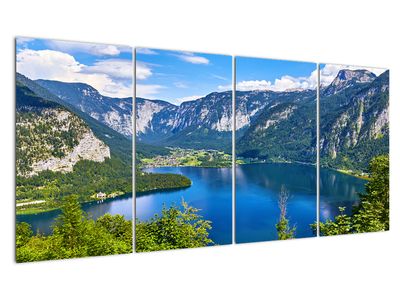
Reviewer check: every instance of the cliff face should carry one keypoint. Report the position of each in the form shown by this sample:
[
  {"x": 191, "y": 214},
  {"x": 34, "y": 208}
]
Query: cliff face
[
  {"x": 355, "y": 123},
  {"x": 88, "y": 148},
  {"x": 49, "y": 137},
  {"x": 202, "y": 123}
]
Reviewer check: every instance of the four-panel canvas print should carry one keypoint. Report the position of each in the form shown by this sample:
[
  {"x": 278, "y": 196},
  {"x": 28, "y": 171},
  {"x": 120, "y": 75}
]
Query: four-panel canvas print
[{"x": 288, "y": 150}]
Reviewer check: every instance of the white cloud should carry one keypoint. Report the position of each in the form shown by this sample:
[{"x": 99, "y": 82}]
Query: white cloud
[
  {"x": 117, "y": 68},
  {"x": 46, "y": 64},
  {"x": 330, "y": 71},
  {"x": 284, "y": 83},
  {"x": 193, "y": 59},
  {"x": 94, "y": 49},
  {"x": 146, "y": 51},
  {"x": 143, "y": 71},
  {"x": 185, "y": 99},
  {"x": 148, "y": 90},
  {"x": 55, "y": 65}
]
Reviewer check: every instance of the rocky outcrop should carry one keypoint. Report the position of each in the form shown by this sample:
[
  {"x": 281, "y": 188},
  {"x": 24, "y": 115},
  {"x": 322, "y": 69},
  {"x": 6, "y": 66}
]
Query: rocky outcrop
[{"x": 88, "y": 148}]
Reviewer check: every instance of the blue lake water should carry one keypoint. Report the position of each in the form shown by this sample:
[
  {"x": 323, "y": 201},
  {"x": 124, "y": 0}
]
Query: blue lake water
[
  {"x": 42, "y": 222},
  {"x": 338, "y": 190},
  {"x": 211, "y": 191},
  {"x": 257, "y": 191}
]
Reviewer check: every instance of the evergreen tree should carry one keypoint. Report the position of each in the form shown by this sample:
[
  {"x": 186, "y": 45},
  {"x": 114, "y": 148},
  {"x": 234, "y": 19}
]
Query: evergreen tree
[{"x": 372, "y": 213}]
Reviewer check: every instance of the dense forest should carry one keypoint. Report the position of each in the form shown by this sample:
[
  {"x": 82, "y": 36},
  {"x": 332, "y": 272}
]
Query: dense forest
[
  {"x": 88, "y": 178},
  {"x": 284, "y": 132},
  {"x": 146, "y": 182}
]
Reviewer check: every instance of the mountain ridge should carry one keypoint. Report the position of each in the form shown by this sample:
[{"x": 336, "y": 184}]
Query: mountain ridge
[{"x": 116, "y": 113}]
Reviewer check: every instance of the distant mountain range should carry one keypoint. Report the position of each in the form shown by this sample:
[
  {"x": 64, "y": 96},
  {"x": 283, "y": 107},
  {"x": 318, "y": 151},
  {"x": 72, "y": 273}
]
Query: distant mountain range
[
  {"x": 280, "y": 126},
  {"x": 202, "y": 123},
  {"x": 272, "y": 126},
  {"x": 116, "y": 113},
  {"x": 120, "y": 145}
]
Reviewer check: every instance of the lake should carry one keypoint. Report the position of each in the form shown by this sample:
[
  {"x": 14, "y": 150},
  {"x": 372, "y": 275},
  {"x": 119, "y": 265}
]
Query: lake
[
  {"x": 257, "y": 192},
  {"x": 338, "y": 190},
  {"x": 120, "y": 205},
  {"x": 211, "y": 191}
]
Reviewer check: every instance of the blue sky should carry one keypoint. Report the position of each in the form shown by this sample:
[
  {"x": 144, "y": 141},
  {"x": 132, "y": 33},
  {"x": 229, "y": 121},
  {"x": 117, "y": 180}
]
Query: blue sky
[
  {"x": 178, "y": 76},
  {"x": 278, "y": 75},
  {"x": 108, "y": 68}
]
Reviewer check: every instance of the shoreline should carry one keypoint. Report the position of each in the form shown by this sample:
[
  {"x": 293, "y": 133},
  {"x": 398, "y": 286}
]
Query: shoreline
[
  {"x": 19, "y": 213},
  {"x": 342, "y": 171}
]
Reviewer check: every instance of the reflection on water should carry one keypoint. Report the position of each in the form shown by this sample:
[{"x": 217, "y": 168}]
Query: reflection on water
[
  {"x": 257, "y": 193},
  {"x": 338, "y": 190},
  {"x": 211, "y": 191}
]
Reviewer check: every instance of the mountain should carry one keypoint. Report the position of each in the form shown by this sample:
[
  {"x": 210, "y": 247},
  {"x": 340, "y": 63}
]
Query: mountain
[
  {"x": 154, "y": 119},
  {"x": 63, "y": 152},
  {"x": 207, "y": 122},
  {"x": 201, "y": 123},
  {"x": 50, "y": 137},
  {"x": 347, "y": 78},
  {"x": 119, "y": 145},
  {"x": 354, "y": 124},
  {"x": 116, "y": 113},
  {"x": 281, "y": 128}
]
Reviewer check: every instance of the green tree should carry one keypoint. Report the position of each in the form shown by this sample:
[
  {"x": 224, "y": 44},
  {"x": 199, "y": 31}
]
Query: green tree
[
  {"x": 176, "y": 228},
  {"x": 23, "y": 234},
  {"x": 285, "y": 231},
  {"x": 70, "y": 225},
  {"x": 341, "y": 224},
  {"x": 372, "y": 213}
]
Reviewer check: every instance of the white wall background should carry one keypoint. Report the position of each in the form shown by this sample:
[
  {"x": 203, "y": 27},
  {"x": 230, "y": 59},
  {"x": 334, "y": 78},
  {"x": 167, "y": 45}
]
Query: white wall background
[{"x": 351, "y": 32}]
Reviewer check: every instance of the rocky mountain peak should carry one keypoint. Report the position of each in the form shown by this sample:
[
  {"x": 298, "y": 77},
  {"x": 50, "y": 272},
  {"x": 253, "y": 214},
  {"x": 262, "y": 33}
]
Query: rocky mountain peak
[{"x": 346, "y": 78}]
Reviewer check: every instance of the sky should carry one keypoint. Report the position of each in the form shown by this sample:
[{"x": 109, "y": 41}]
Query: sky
[
  {"x": 179, "y": 76},
  {"x": 107, "y": 68},
  {"x": 275, "y": 75},
  {"x": 281, "y": 75}
]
